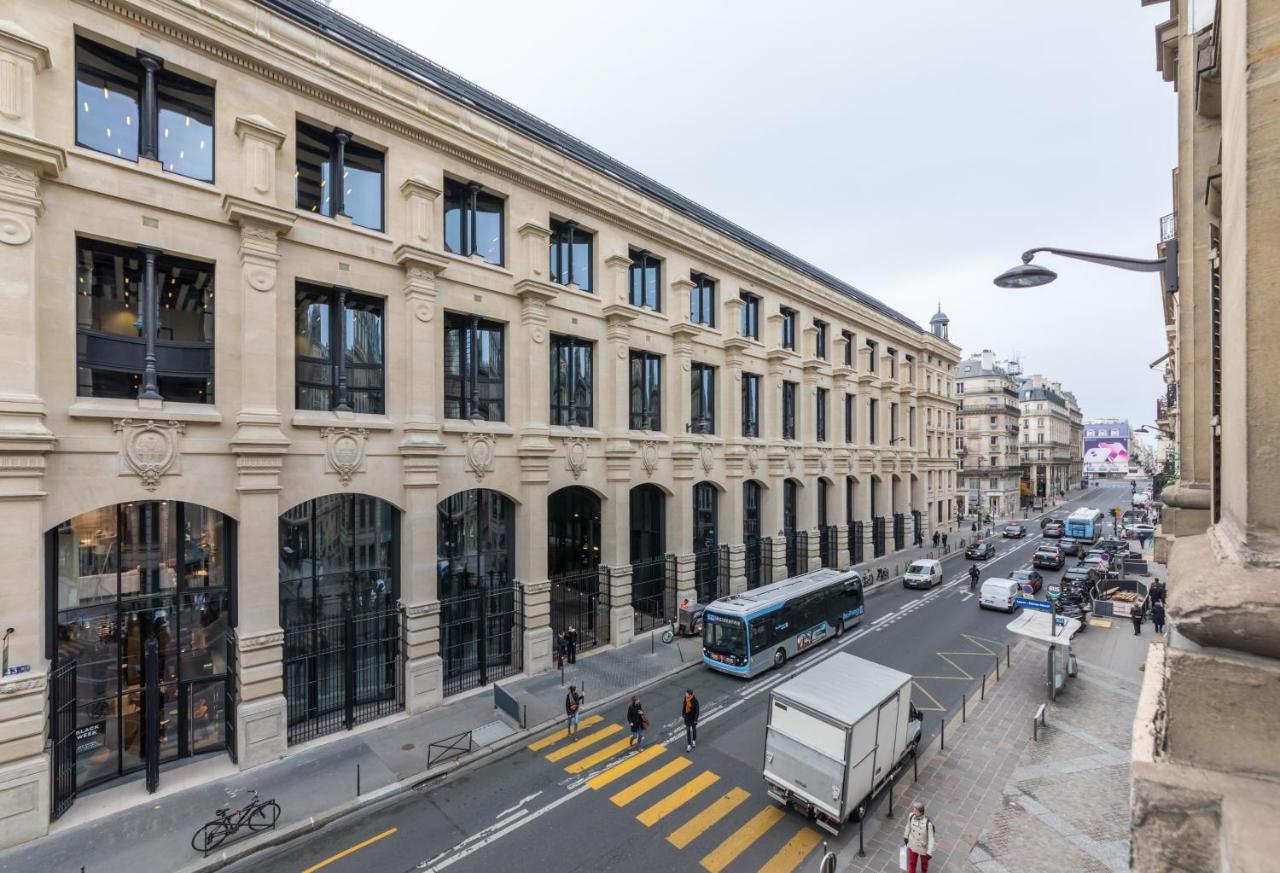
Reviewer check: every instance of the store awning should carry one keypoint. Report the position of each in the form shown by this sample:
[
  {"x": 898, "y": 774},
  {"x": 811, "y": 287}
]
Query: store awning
[{"x": 1038, "y": 626}]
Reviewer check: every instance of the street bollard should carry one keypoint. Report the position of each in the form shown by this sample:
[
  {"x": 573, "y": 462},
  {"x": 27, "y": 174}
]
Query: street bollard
[
  {"x": 890, "y": 813},
  {"x": 997, "y": 669},
  {"x": 964, "y": 709},
  {"x": 984, "y": 686},
  {"x": 915, "y": 768},
  {"x": 1006, "y": 655},
  {"x": 357, "y": 779},
  {"x": 943, "y": 746},
  {"x": 861, "y": 852},
  {"x": 652, "y": 634}
]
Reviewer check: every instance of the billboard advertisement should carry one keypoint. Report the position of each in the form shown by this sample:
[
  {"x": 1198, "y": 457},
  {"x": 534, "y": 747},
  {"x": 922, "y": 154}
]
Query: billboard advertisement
[{"x": 1106, "y": 454}]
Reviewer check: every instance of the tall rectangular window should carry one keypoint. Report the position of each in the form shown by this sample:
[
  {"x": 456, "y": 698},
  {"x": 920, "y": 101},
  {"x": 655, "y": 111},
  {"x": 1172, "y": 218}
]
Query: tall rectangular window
[
  {"x": 571, "y": 261},
  {"x": 893, "y": 362},
  {"x": 750, "y": 315},
  {"x": 893, "y": 422},
  {"x": 338, "y": 357},
  {"x": 702, "y": 299},
  {"x": 473, "y": 221},
  {"x": 750, "y": 405},
  {"x": 702, "y": 397},
  {"x": 131, "y": 300},
  {"x": 571, "y": 384},
  {"x": 646, "y": 391},
  {"x": 849, "y": 412},
  {"x": 474, "y": 369},
  {"x": 789, "y": 410},
  {"x": 788, "y": 328},
  {"x": 875, "y": 355},
  {"x": 646, "y": 280},
  {"x": 337, "y": 176},
  {"x": 873, "y": 421},
  {"x": 822, "y": 415},
  {"x": 848, "y": 347},
  {"x": 820, "y": 339},
  {"x": 130, "y": 106},
  {"x": 911, "y": 425}
]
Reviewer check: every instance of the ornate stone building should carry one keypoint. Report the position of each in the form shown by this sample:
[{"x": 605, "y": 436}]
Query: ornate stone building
[
  {"x": 315, "y": 354},
  {"x": 988, "y": 431},
  {"x": 1050, "y": 441},
  {"x": 1205, "y": 736}
]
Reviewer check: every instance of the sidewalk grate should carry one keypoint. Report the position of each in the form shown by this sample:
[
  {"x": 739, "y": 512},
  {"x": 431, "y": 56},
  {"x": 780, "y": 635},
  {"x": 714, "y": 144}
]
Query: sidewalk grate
[{"x": 490, "y": 733}]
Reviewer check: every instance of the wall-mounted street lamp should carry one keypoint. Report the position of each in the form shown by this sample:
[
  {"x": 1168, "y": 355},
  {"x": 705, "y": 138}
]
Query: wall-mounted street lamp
[
  {"x": 1029, "y": 275},
  {"x": 1151, "y": 428}
]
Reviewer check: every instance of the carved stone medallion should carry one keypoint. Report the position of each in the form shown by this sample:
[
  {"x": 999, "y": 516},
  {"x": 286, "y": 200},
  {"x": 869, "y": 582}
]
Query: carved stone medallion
[
  {"x": 149, "y": 448},
  {"x": 753, "y": 458},
  {"x": 793, "y": 459},
  {"x": 344, "y": 449},
  {"x": 708, "y": 459},
  {"x": 576, "y": 455},
  {"x": 480, "y": 453},
  {"x": 649, "y": 456}
]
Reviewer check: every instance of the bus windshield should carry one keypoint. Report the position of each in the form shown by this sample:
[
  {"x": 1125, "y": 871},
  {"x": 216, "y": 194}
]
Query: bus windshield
[{"x": 724, "y": 635}]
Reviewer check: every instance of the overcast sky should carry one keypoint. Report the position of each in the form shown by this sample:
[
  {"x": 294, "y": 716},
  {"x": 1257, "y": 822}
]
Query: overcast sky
[{"x": 914, "y": 149}]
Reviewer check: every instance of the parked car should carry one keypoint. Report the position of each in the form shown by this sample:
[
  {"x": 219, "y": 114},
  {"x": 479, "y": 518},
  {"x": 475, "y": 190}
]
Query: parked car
[
  {"x": 1143, "y": 530},
  {"x": 1048, "y": 556},
  {"x": 1013, "y": 532},
  {"x": 982, "y": 550},
  {"x": 998, "y": 594},
  {"x": 923, "y": 574},
  {"x": 1081, "y": 573},
  {"x": 1028, "y": 577},
  {"x": 1070, "y": 546},
  {"x": 1054, "y": 529}
]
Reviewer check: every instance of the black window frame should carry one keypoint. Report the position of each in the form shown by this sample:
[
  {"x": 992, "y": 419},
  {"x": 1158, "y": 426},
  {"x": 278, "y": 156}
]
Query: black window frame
[
  {"x": 789, "y": 317},
  {"x": 850, "y": 410},
  {"x": 153, "y": 360},
  {"x": 466, "y": 198},
  {"x": 570, "y": 412},
  {"x": 341, "y": 144},
  {"x": 751, "y": 383},
  {"x": 464, "y": 388},
  {"x": 702, "y": 398},
  {"x": 875, "y": 363},
  {"x": 873, "y": 423},
  {"x": 338, "y": 386},
  {"x": 643, "y": 260},
  {"x": 820, "y": 339},
  {"x": 154, "y": 85},
  {"x": 648, "y": 416},
  {"x": 565, "y": 236},
  {"x": 820, "y": 398},
  {"x": 848, "y": 347},
  {"x": 750, "y": 326},
  {"x": 789, "y": 391},
  {"x": 894, "y": 411},
  {"x": 702, "y": 299}
]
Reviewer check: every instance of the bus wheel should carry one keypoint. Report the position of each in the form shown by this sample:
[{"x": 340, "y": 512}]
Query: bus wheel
[
  {"x": 779, "y": 657},
  {"x": 840, "y": 628}
]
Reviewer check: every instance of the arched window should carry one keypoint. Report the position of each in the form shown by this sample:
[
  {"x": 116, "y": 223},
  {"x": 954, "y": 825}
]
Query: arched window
[
  {"x": 648, "y": 523},
  {"x": 752, "y": 505},
  {"x": 824, "y": 488},
  {"x": 475, "y": 540},
  {"x": 573, "y": 531}
]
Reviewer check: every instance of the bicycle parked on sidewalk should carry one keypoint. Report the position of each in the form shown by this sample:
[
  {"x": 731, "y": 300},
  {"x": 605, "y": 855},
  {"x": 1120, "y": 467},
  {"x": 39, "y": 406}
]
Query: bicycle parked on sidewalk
[{"x": 256, "y": 815}]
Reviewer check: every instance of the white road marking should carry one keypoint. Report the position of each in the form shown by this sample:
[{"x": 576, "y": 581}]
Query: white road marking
[
  {"x": 517, "y": 807},
  {"x": 497, "y": 835},
  {"x": 966, "y": 597}
]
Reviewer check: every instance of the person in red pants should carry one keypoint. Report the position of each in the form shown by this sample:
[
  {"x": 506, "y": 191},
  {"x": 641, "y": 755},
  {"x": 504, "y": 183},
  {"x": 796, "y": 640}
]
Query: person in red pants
[{"x": 918, "y": 837}]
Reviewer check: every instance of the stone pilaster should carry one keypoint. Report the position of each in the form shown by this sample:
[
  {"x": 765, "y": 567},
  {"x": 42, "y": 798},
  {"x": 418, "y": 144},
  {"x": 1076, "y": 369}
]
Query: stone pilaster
[
  {"x": 531, "y": 558},
  {"x": 535, "y": 627},
  {"x": 532, "y": 379},
  {"x": 423, "y": 340},
  {"x": 615, "y": 584},
  {"x": 686, "y": 569},
  {"x": 775, "y": 559},
  {"x": 841, "y": 545},
  {"x": 420, "y": 211},
  {"x": 737, "y": 567}
]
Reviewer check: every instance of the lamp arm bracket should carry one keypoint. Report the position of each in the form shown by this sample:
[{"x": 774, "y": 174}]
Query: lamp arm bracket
[{"x": 1138, "y": 265}]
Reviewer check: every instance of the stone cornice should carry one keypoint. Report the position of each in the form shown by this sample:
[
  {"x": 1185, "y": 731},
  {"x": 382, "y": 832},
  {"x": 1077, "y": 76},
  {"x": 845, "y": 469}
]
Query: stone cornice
[
  {"x": 250, "y": 213},
  {"x": 416, "y": 257},
  {"x": 42, "y": 158},
  {"x": 257, "y": 126}
]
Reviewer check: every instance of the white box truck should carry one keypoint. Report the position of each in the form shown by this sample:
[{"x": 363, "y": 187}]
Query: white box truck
[{"x": 836, "y": 734}]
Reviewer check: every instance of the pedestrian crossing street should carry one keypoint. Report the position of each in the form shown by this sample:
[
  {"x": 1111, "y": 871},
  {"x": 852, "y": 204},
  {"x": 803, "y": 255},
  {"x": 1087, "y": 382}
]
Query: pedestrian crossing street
[{"x": 666, "y": 792}]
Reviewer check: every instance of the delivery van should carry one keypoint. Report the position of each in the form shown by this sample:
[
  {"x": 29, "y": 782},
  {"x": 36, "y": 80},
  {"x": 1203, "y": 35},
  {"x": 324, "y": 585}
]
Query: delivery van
[{"x": 998, "y": 594}]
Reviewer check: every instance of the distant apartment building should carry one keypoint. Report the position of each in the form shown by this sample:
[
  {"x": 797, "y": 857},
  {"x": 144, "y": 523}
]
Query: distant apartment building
[
  {"x": 1050, "y": 437},
  {"x": 987, "y": 434}
]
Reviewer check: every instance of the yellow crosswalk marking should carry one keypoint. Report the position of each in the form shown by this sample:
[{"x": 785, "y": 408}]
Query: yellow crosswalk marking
[
  {"x": 795, "y": 851},
  {"x": 737, "y": 842},
  {"x": 595, "y": 758},
  {"x": 553, "y": 738},
  {"x": 693, "y": 828},
  {"x": 677, "y": 798},
  {"x": 654, "y": 779},
  {"x": 625, "y": 766},
  {"x": 589, "y": 740}
]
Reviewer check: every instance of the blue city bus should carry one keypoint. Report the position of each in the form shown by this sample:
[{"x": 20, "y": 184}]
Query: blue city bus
[
  {"x": 746, "y": 634},
  {"x": 1085, "y": 525}
]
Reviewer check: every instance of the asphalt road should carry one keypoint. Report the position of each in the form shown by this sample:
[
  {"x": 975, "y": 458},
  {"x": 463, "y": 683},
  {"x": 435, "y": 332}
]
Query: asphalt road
[{"x": 591, "y": 803}]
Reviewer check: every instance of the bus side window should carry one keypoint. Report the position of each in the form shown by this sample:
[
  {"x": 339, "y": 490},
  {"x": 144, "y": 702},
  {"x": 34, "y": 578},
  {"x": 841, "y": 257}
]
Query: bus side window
[{"x": 758, "y": 635}]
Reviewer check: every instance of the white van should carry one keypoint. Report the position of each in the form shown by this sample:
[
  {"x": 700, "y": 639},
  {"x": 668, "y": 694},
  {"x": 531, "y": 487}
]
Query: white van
[
  {"x": 923, "y": 574},
  {"x": 998, "y": 594}
]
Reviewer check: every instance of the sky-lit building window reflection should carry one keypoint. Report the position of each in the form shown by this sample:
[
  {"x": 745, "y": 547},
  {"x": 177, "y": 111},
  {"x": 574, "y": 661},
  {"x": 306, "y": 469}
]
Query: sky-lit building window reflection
[
  {"x": 107, "y": 84},
  {"x": 186, "y": 126}
]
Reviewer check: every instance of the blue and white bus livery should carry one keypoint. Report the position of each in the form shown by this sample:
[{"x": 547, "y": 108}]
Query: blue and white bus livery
[
  {"x": 746, "y": 634},
  {"x": 1085, "y": 525}
]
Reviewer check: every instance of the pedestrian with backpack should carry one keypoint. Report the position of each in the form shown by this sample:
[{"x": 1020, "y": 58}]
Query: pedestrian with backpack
[
  {"x": 637, "y": 720},
  {"x": 917, "y": 836},
  {"x": 572, "y": 706},
  {"x": 689, "y": 711}
]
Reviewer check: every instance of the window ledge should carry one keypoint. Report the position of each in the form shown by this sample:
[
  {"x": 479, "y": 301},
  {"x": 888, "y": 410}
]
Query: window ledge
[
  {"x": 319, "y": 418},
  {"x": 115, "y": 407},
  {"x": 569, "y": 432},
  {"x": 142, "y": 170},
  {"x": 481, "y": 264},
  {"x": 330, "y": 221},
  {"x": 475, "y": 425},
  {"x": 656, "y": 436}
]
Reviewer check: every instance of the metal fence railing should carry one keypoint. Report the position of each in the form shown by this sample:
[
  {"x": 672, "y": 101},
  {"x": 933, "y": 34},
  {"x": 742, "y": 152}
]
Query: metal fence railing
[
  {"x": 477, "y": 630},
  {"x": 653, "y": 592},
  {"x": 827, "y": 545}
]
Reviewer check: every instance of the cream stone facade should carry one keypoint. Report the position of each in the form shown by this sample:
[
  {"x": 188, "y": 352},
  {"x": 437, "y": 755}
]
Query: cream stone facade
[
  {"x": 1204, "y": 766},
  {"x": 368, "y": 422},
  {"x": 1050, "y": 441},
  {"x": 989, "y": 417}
]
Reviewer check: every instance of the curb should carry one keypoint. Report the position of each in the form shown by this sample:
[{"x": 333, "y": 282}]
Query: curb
[{"x": 461, "y": 764}]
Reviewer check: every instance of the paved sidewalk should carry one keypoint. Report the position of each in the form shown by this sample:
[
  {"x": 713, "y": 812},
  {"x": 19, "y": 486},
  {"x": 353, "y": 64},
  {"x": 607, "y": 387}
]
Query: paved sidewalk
[
  {"x": 126, "y": 830},
  {"x": 1003, "y": 803}
]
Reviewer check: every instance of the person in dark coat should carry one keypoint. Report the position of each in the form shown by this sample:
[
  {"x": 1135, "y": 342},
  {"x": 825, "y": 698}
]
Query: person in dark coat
[
  {"x": 1137, "y": 618},
  {"x": 1157, "y": 617},
  {"x": 637, "y": 720},
  {"x": 571, "y": 638},
  {"x": 572, "y": 707},
  {"x": 689, "y": 711},
  {"x": 944, "y": 542},
  {"x": 936, "y": 538},
  {"x": 1157, "y": 592},
  {"x": 562, "y": 648}
]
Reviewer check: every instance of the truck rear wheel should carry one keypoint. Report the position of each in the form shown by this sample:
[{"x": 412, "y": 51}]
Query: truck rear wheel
[{"x": 779, "y": 657}]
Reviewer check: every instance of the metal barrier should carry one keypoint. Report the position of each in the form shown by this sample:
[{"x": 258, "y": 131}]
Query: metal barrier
[
  {"x": 506, "y": 701},
  {"x": 653, "y": 592},
  {"x": 1037, "y": 722},
  {"x": 449, "y": 747},
  {"x": 1118, "y": 609}
]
